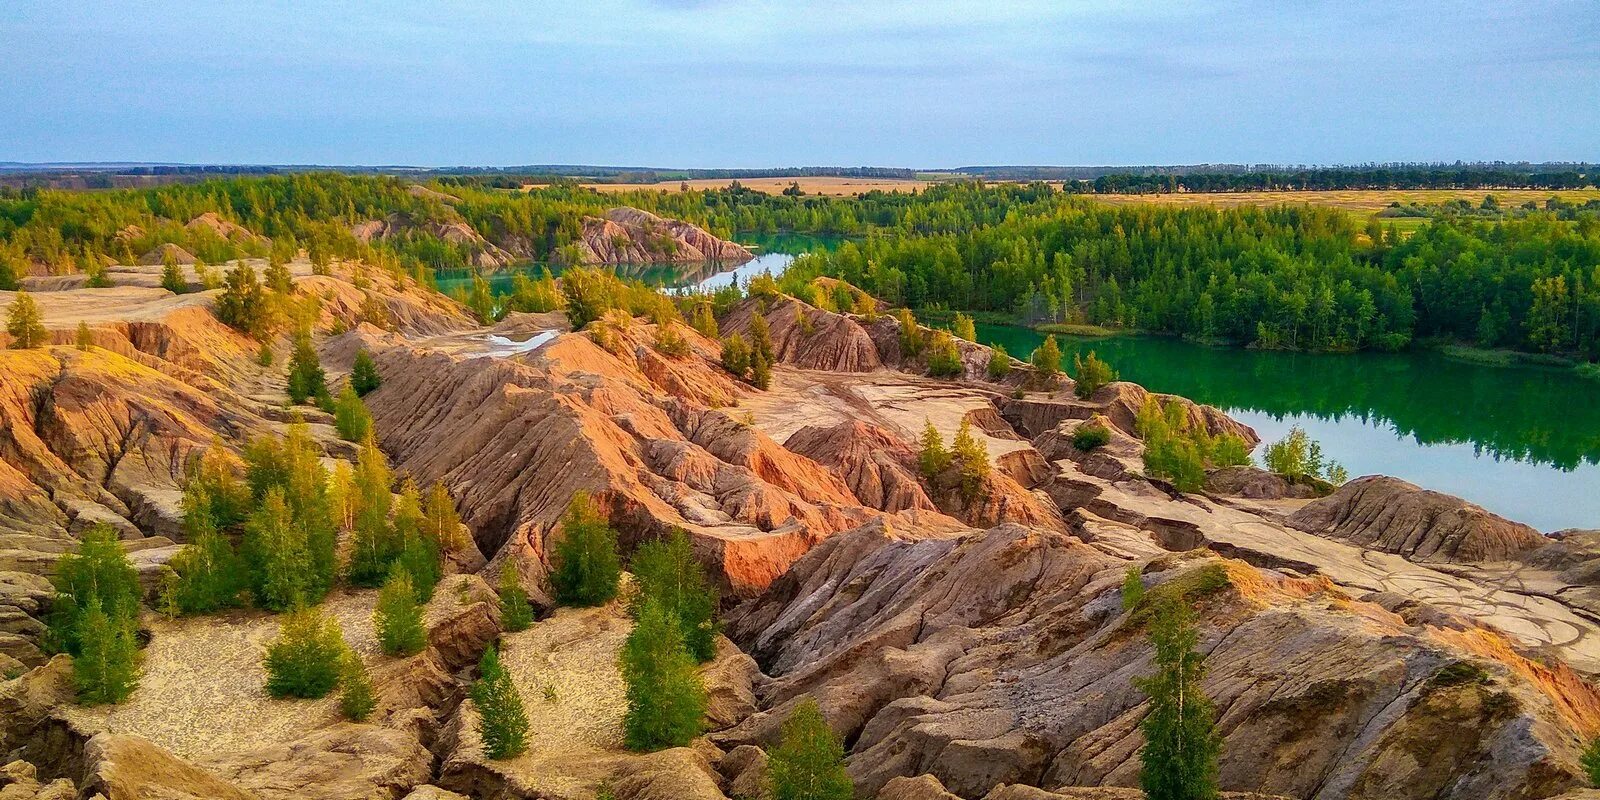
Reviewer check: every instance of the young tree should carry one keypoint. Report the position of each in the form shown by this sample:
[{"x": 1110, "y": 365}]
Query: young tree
[
  {"x": 703, "y": 320},
  {"x": 667, "y": 572},
  {"x": 9, "y": 273},
  {"x": 736, "y": 355},
  {"x": 277, "y": 275},
  {"x": 276, "y": 552},
  {"x": 1132, "y": 587},
  {"x": 973, "y": 460},
  {"x": 356, "y": 700},
  {"x": 307, "y": 381},
  {"x": 98, "y": 277},
  {"x": 933, "y": 457},
  {"x": 760, "y": 340},
  {"x": 760, "y": 371},
  {"x": 106, "y": 668},
  {"x": 305, "y": 659},
  {"x": 350, "y": 416},
  {"x": 911, "y": 340},
  {"x": 1046, "y": 358},
  {"x": 999, "y": 362},
  {"x": 1179, "y": 759},
  {"x": 85, "y": 337},
  {"x": 209, "y": 574},
  {"x": 808, "y": 763},
  {"x": 963, "y": 328},
  {"x": 1295, "y": 456},
  {"x": 172, "y": 275},
  {"x": 364, "y": 374},
  {"x": 670, "y": 341},
  {"x": 24, "y": 323},
  {"x": 502, "y": 722},
  {"x": 515, "y": 612},
  {"x": 374, "y": 543},
  {"x": 419, "y": 552},
  {"x": 218, "y": 472},
  {"x": 944, "y": 358},
  {"x": 398, "y": 616},
  {"x": 440, "y": 521},
  {"x": 666, "y": 696},
  {"x": 99, "y": 574},
  {"x": 1092, "y": 373},
  {"x": 242, "y": 304},
  {"x": 586, "y": 564}
]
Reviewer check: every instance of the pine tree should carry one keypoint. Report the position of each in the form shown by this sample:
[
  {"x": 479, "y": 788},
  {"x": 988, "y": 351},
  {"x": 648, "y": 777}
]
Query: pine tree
[
  {"x": 99, "y": 574},
  {"x": 668, "y": 573},
  {"x": 440, "y": 521},
  {"x": 502, "y": 722},
  {"x": 515, "y": 612},
  {"x": 398, "y": 616},
  {"x": 375, "y": 544},
  {"x": 419, "y": 552},
  {"x": 24, "y": 323},
  {"x": 760, "y": 371},
  {"x": 999, "y": 362},
  {"x": 736, "y": 355},
  {"x": 586, "y": 564},
  {"x": 306, "y": 658},
  {"x": 760, "y": 339},
  {"x": 972, "y": 458},
  {"x": 1047, "y": 358},
  {"x": 242, "y": 304},
  {"x": 356, "y": 700},
  {"x": 306, "y": 378},
  {"x": 106, "y": 668},
  {"x": 172, "y": 275},
  {"x": 275, "y": 549},
  {"x": 1092, "y": 373},
  {"x": 277, "y": 275},
  {"x": 364, "y": 374},
  {"x": 85, "y": 337},
  {"x": 703, "y": 320},
  {"x": 808, "y": 763},
  {"x": 933, "y": 457},
  {"x": 666, "y": 696},
  {"x": 1179, "y": 759},
  {"x": 350, "y": 416}
]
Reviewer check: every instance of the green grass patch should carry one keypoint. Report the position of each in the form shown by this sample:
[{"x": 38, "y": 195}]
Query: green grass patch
[
  {"x": 1085, "y": 331},
  {"x": 1196, "y": 584},
  {"x": 1590, "y": 371},
  {"x": 1500, "y": 358}
]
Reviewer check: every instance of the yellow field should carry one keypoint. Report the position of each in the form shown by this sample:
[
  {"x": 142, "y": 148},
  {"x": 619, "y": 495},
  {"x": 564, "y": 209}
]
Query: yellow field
[
  {"x": 1363, "y": 200},
  {"x": 838, "y": 187}
]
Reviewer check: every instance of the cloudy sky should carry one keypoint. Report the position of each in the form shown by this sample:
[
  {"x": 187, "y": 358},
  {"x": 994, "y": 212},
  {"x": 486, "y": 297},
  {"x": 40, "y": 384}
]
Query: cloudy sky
[{"x": 747, "y": 83}]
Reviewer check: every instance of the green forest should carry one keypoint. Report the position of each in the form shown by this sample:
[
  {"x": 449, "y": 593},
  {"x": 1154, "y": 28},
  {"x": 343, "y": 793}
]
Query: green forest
[{"x": 1287, "y": 276}]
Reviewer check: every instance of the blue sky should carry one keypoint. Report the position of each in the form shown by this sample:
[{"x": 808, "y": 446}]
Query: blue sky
[{"x": 749, "y": 83}]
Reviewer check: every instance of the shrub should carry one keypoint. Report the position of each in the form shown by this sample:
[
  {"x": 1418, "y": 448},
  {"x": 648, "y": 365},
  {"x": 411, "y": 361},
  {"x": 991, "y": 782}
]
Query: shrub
[
  {"x": 760, "y": 340},
  {"x": 502, "y": 722},
  {"x": 515, "y": 612},
  {"x": 944, "y": 359},
  {"x": 736, "y": 355},
  {"x": 932, "y": 457},
  {"x": 99, "y": 576},
  {"x": 963, "y": 328},
  {"x": 808, "y": 763},
  {"x": 670, "y": 342},
  {"x": 350, "y": 416},
  {"x": 586, "y": 564},
  {"x": 911, "y": 341},
  {"x": 999, "y": 362},
  {"x": 398, "y": 616},
  {"x": 106, "y": 668},
  {"x": 1591, "y": 761},
  {"x": 1092, "y": 373},
  {"x": 356, "y": 700},
  {"x": 24, "y": 323},
  {"x": 667, "y": 572},
  {"x": 1046, "y": 358},
  {"x": 973, "y": 460},
  {"x": 364, "y": 374},
  {"x": 760, "y": 371},
  {"x": 242, "y": 304},
  {"x": 666, "y": 698},
  {"x": 305, "y": 659},
  {"x": 85, "y": 337},
  {"x": 703, "y": 320},
  {"x": 1091, "y": 436},
  {"x": 171, "y": 275},
  {"x": 307, "y": 381},
  {"x": 1132, "y": 587},
  {"x": 1297, "y": 456}
]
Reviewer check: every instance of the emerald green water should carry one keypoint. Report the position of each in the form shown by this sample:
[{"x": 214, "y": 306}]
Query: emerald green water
[{"x": 1521, "y": 441}]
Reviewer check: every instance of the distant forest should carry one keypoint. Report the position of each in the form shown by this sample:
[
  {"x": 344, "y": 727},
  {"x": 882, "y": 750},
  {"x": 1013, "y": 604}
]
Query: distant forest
[{"x": 1284, "y": 276}]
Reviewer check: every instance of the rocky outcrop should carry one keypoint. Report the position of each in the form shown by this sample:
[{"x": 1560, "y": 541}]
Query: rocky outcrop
[
  {"x": 879, "y": 467},
  {"x": 927, "y": 787},
  {"x": 1257, "y": 484},
  {"x": 226, "y": 230},
  {"x": 485, "y": 254},
  {"x": 885, "y": 334},
  {"x": 805, "y": 336},
  {"x": 125, "y": 767},
  {"x": 631, "y": 236},
  {"x": 1388, "y": 514},
  {"x": 1119, "y": 403},
  {"x": 159, "y": 255}
]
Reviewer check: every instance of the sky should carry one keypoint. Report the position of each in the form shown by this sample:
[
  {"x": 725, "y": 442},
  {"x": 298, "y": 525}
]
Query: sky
[{"x": 764, "y": 83}]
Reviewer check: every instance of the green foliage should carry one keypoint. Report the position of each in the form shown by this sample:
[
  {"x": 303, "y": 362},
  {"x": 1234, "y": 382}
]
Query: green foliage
[
  {"x": 944, "y": 359},
  {"x": 1092, "y": 373},
  {"x": 590, "y": 293},
  {"x": 278, "y": 554},
  {"x": 106, "y": 667},
  {"x": 350, "y": 416},
  {"x": 364, "y": 374},
  {"x": 307, "y": 381},
  {"x": 760, "y": 340},
  {"x": 398, "y": 616},
  {"x": 289, "y": 542},
  {"x": 932, "y": 457},
  {"x": 1132, "y": 587},
  {"x": 420, "y": 554},
  {"x": 356, "y": 699},
  {"x": 666, "y": 696},
  {"x": 98, "y": 575},
  {"x": 911, "y": 340},
  {"x": 808, "y": 763},
  {"x": 586, "y": 565},
  {"x": 736, "y": 355},
  {"x": 515, "y": 612},
  {"x": 1046, "y": 357},
  {"x": 670, "y": 341},
  {"x": 9, "y": 273},
  {"x": 760, "y": 370},
  {"x": 999, "y": 362},
  {"x": 209, "y": 574},
  {"x": 98, "y": 277},
  {"x": 374, "y": 542},
  {"x": 963, "y": 328},
  {"x": 1297, "y": 457},
  {"x": 277, "y": 275},
  {"x": 502, "y": 722},
  {"x": 704, "y": 320},
  {"x": 972, "y": 459},
  {"x": 24, "y": 323},
  {"x": 172, "y": 275},
  {"x": 440, "y": 522},
  {"x": 307, "y": 657},
  {"x": 1590, "y": 761},
  {"x": 243, "y": 304},
  {"x": 667, "y": 573},
  {"x": 1179, "y": 758},
  {"x": 85, "y": 337},
  {"x": 1179, "y": 450},
  {"x": 217, "y": 473},
  {"x": 534, "y": 296},
  {"x": 1090, "y": 436}
]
